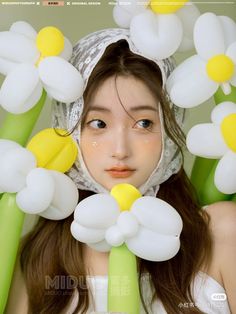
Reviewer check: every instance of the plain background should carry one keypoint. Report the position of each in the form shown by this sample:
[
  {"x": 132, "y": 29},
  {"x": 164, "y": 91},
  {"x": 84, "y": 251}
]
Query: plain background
[{"x": 75, "y": 21}]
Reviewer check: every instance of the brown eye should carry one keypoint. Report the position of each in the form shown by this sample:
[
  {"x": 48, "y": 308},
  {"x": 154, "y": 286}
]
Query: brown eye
[
  {"x": 97, "y": 124},
  {"x": 144, "y": 124}
]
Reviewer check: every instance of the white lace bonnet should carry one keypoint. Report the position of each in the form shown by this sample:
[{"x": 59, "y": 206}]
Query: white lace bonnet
[{"x": 86, "y": 54}]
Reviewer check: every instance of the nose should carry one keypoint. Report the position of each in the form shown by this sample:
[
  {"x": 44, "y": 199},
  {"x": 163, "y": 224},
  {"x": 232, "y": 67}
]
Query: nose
[{"x": 121, "y": 146}]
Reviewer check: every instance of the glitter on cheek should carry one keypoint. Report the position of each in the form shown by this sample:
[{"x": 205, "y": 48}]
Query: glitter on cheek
[{"x": 94, "y": 144}]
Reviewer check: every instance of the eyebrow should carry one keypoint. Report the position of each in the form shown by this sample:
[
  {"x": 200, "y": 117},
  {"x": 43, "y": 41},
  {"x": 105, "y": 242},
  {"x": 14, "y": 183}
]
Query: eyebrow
[{"x": 132, "y": 109}]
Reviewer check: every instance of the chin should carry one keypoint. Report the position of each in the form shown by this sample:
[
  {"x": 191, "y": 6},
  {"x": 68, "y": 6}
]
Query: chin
[{"x": 124, "y": 181}]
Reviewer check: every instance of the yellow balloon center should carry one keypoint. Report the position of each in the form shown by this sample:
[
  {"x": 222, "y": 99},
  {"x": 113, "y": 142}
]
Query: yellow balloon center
[
  {"x": 53, "y": 150},
  {"x": 125, "y": 194},
  {"x": 50, "y": 41},
  {"x": 220, "y": 68},
  {"x": 167, "y": 6},
  {"x": 228, "y": 128}
]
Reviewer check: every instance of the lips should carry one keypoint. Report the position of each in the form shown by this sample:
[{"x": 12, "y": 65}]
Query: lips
[{"x": 120, "y": 172}]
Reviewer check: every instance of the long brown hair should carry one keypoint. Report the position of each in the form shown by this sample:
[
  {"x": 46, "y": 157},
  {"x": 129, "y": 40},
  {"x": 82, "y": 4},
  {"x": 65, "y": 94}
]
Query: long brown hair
[{"x": 50, "y": 252}]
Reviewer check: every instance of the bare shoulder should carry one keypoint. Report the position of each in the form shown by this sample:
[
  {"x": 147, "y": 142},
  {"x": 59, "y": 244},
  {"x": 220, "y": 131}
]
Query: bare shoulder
[
  {"x": 223, "y": 222},
  {"x": 223, "y": 229},
  {"x": 18, "y": 299}
]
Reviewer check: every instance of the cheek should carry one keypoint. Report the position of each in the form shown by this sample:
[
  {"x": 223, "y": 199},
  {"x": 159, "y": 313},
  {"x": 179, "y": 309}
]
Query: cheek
[
  {"x": 150, "y": 153},
  {"x": 152, "y": 145},
  {"x": 90, "y": 148}
]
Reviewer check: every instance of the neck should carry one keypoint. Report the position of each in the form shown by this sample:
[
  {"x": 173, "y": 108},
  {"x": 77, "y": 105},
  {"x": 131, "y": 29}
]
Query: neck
[{"x": 96, "y": 263}]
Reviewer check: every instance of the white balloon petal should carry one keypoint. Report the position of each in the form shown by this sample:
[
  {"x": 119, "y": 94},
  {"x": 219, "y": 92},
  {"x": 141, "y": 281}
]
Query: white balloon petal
[
  {"x": 124, "y": 12},
  {"x": 6, "y": 66},
  {"x": 221, "y": 111},
  {"x": 102, "y": 207},
  {"x": 18, "y": 48},
  {"x": 189, "y": 84},
  {"x": 32, "y": 99},
  {"x": 157, "y": 215},
  {"x": 188, "y": 15},
  {"x": 186, "y": 68},
  {"x": 209, "y": 36},
  {"x": 121, "y": 17},
  {"x": 15, "y": 164},
  {"x": 86, "y": 235},
  {"x": 67, "y": 51},
  {"x": 114, "y": 236},
  {"x": 157, "y": 36},
  {"x": 229, "y": 29},
  {"x": 6, "y": 145},
  {"x": 233, "y": 79},
  {"x": 205, "y": 140},
  {"x": 231, "y": 52},
  {"x": 225, "y": 180},
  {"x": 127, "y": 224},
  {"x": 24, "y": 28},
  {"x": 152, "y": 246},
  {"x": 38, "y": 193},
  {"x": 24, "y": 79},
  {"x": 65, "y": 197},
  {"x": 11, "y": 177},
  {"x": 61, "y": 79}
]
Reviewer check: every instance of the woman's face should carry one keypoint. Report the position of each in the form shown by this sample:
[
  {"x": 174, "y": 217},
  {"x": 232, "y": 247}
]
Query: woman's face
[{"x": 116, "y": 147}]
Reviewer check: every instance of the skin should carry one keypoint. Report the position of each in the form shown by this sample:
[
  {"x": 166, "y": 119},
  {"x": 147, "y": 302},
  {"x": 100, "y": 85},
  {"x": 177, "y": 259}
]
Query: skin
[{"x": 111, "y": 133}]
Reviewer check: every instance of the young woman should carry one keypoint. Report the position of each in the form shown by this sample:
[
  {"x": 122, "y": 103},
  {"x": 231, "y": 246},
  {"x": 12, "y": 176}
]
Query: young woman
[{"x": 128, "y": 132}]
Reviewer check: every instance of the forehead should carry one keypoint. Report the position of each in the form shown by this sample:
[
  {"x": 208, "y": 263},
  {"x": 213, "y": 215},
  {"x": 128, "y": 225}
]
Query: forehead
[{"x": 127, "y": 90}]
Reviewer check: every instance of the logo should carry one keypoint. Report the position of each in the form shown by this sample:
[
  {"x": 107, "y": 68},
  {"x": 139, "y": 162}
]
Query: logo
[{"x": 218, "y": 296}]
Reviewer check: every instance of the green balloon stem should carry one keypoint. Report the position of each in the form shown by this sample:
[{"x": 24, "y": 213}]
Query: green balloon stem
[
  {"x": 16, "y": 128},
  {"x": 209, "y": 193},
  {"x": 233, "y": 198},
  {"x": 123, "y": 287},
  {"x": 11, "y": 222},
  {"x": 200, "y": 171}
]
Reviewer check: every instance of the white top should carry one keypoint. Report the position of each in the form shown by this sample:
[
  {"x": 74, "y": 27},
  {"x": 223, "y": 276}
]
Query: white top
[{"x": 208, "y": 295}]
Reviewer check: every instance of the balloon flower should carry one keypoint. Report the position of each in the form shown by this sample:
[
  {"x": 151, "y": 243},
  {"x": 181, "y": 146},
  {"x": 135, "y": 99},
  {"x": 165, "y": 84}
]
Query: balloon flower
[
  {"x": 34, "y": 183},
  {"x": 158, "y": 28},
  {"x": 210, "y": 72},
  {"x": 127, "y": 225},
  {"x": 26, "y": 172},
  {"x": 199, "y": 77},
  {"x": 217, "y": 140},
  {"x": 32, "y": 62}
]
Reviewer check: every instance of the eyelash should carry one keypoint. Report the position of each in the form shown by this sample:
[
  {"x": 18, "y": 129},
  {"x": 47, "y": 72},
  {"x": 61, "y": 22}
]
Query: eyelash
[{"x": 149, "y": 127}]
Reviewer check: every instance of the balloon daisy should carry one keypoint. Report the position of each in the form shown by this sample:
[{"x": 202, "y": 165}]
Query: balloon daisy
[
  {"x": 36, "y": 174},
  {"x": 33, "y": 182},
  {"x": 127, "y": 225},
  {"x": 199, "y": 77},
  {"x": 32, "y": 61},
  {"x": 158, "y": 28},
  {"x": 217, "y": 140}
]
